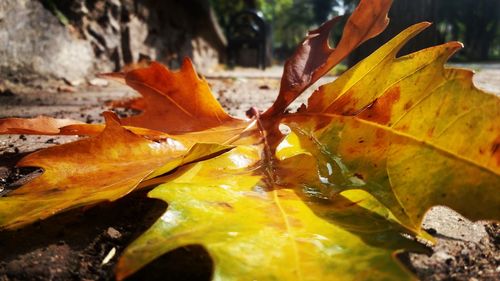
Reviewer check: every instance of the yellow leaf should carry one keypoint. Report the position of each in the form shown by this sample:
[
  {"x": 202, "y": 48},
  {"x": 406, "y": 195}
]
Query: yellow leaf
[
  {"x": 409, "y": 131},
  {"x": 253, "y": 232}
]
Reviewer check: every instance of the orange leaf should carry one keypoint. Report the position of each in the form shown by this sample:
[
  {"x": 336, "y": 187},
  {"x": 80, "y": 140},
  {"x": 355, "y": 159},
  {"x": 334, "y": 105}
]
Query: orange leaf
[
  {"x": 171, "y": 98},
  {"x": 115, "y": 162},
  {"x": 44, "y": 125},
  {"x": 136, "y": 103},
  {"x": 39, "y": 125}
]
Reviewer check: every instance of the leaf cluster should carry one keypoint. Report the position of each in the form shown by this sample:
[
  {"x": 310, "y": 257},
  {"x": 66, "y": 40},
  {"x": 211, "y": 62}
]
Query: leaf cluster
[{"x": 332, "y": 199}]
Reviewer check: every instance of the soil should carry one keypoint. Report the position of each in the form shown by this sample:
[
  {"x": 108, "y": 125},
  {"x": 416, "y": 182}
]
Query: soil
[{"x": 79, "y": 244}]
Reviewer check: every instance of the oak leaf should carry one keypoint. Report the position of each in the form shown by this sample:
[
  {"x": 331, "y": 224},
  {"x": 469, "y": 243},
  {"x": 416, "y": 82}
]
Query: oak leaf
[
  {"x": 258, "y": 232},
  {"x": 421, "y": 136},
  {"x": 333, "y": 199},
  {"x": 170, "y": 98},
  {"x": 88, "y": 171},
  {"x": 39, "y": 125}
]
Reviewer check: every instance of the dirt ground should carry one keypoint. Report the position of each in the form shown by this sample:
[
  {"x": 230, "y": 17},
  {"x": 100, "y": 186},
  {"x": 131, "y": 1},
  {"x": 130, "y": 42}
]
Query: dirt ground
[{"x": 76, "y": 245}]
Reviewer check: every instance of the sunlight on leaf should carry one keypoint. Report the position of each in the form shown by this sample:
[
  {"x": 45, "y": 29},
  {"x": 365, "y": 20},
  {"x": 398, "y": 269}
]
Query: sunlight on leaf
[
  {"x": 263, "y": 234},
  {"x": 407, "y": 138},
  {"x": 114, "y": 163},
  {"x": 335, "y": 199},
  {"x": 171, "y": 98}
]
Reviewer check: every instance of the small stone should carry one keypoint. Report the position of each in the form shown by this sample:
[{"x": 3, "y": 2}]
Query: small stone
[
  {"x": 66, "y": 89},
  {"x": 443, "y": 256},
  {"x": 113, "y": 233},
  {"x": 74, "y": 82},
  {"x": 99, "y": 82},
  {"x": 431, "y": 231}
]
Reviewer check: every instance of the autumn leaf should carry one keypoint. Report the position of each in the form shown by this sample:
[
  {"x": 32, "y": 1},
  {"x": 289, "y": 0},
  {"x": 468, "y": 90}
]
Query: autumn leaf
[
  {"x": 44, "y": 125},
  {"x": 170, "y": 98},
  {"x": 334, "y": 199},
  {"x": 115, "y": 162},
  {"x": 409, "y": 131},
  {"x": 39, "y": 125},
  {"x": 256, "y": 232},
  {"x": 314, "y": 57}
]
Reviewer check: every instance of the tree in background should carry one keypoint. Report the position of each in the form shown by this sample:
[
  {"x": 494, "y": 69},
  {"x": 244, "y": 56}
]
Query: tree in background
[
  {"x": 414, "y": 12},
  {"x": 472, "y": 22},
  {"x": 289, "y": 19},
  {"x": 476, "y": 23}
]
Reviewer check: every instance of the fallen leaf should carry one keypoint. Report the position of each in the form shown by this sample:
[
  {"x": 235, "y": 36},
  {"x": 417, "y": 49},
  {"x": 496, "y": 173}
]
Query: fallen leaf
[
  {"x": 264, "y": 233},
  {"x": 39, "y": 125},
  {"x": 407, "y": 138},
  {"x": 114, "y": 163},
  {"x": 170, "y": 98}
]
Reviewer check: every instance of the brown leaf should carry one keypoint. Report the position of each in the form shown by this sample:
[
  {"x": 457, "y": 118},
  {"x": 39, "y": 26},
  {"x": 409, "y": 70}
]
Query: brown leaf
[{"x": 314, "y": 57}]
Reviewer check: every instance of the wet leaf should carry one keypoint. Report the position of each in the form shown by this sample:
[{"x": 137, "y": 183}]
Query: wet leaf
[{"x": 267, "y": 233}]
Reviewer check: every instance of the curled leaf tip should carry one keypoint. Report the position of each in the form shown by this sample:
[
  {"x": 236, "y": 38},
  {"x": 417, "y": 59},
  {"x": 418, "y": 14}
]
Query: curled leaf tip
[{"x": 314, "y": 58}]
